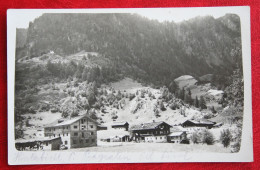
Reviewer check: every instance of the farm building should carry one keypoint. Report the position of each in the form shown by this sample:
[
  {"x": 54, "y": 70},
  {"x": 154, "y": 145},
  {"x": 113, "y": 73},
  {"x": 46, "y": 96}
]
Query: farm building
[
  {"x": 44, "y": 143},
  {"x": 151, "y": 132},
  {"x": 76, "y": 132},
  {"x": 177, "y": 137},
  {"x": 193, "y": 125},
  {"x": 120, "y": 125},
  {"x": 113, "y": 135}
]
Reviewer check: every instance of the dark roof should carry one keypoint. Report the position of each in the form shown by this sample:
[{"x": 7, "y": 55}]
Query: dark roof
[
  {"x": 201, "y": 121},
  {"x": 146, "y": 126}
]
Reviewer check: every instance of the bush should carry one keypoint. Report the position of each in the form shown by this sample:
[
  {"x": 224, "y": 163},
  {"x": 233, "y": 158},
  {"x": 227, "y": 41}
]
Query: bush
[
  {"x": 225, "y": 137},
  {"x": 195, "y": 137},
  {"x": 207, "y": 137}
]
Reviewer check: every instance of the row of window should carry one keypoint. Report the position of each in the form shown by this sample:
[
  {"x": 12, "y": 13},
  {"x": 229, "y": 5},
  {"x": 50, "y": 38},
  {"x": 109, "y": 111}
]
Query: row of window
[
  {"x": 83, "y": 126},
  {"x": 67, "y": 127},
  {"x": 82, "y": 134},
  {"x": 159, "y": 138}
]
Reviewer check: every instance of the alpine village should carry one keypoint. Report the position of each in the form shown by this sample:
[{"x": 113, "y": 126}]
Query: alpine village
[{"x": 123, "y": 82}]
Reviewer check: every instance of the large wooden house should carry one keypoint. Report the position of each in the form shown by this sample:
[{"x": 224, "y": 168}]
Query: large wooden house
[
  {"x": 151, "y": 132},
  {"x": 193, "y": 125},
  {"x": 76, "y": 132}
]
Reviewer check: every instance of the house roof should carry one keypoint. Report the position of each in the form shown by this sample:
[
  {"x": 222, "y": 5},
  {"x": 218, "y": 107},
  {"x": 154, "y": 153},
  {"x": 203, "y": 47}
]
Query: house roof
[
  {"x": 201, "y": 121},
  {"x": 119, "y": 123},
  {"x": 175, "y": 133},
  {"x": 35, "y": 139},
  {"x": 146, "y": 126},
  {"x": 69, "y": 121}
]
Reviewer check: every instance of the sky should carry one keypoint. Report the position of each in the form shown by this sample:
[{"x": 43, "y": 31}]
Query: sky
[{"x": 161, "y": 14}]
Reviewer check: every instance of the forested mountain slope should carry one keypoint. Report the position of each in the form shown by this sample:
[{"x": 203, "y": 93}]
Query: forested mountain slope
[{"x": 136, "y": 46}]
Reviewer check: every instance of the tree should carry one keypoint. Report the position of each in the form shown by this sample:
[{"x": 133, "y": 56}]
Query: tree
[
  {"x": 225, "y": 137},
  {"x": 173, "y": 87},
  {"x": 202, "y": 103},
  {"x": 196, "y": 102},
  {"x": 195, "y": 137},
  {"x": 207, "y": 137}
]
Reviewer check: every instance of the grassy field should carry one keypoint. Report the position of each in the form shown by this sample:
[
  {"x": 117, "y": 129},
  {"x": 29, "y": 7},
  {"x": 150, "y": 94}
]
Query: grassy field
[{"x": 153, "y": 147}]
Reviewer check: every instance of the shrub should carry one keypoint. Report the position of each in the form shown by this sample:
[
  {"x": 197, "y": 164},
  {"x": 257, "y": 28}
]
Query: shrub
[
  {"x": 207, "y": 137},
  {"x": 195, "y": 137},
  {"x": 225, "y": 137}
]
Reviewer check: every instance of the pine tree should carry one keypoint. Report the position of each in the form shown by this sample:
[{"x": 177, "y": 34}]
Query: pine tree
[
  {"x": 196, "y": 102},
  {"x": 225, "y": 137},
  {"x": 202, "y": 103},
  {"x": 207, "y": 137}
]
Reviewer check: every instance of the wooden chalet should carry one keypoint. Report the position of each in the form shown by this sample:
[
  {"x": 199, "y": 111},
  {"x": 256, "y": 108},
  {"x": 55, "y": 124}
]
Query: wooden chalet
[
  {"x": 120, "y": 125},
  {"x": 151, "y": 132},
  {"x": 76, "y": 132},
  {"x": 191, "y": 125}
]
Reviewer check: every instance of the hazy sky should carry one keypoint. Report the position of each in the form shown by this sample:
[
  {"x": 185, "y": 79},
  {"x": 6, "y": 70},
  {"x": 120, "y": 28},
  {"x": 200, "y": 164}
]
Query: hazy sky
[{"x": 161, "y": 14}]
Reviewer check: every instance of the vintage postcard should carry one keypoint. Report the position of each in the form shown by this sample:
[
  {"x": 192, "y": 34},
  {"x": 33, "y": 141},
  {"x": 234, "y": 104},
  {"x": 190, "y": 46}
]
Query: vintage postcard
[{"x": 129, "y": 85}]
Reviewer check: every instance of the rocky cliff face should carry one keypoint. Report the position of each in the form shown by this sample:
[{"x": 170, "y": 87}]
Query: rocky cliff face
[{"x": 150, "y": 50}]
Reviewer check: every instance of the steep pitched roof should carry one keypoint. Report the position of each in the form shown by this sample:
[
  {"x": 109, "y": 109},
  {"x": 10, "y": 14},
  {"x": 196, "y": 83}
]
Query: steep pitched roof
[
  {"x": 176, "y": 134},
  {"x": 69, "y": 121},
  {"x": 146, "y": 126}
]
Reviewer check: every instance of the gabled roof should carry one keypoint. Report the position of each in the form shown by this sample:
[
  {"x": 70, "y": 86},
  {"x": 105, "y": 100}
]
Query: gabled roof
[
  {"x": 146, "y": 126},
  {"x": 176, "y": 134},
  {"x": 201, "y": 121},
  {"x": 119, "y": 123},
  {"x": 69, "y": 121}
]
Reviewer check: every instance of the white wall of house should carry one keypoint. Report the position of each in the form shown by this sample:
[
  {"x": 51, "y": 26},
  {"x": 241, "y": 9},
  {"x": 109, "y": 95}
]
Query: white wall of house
[
  {"x": 156, "y": 139},
  {"x": 65, "y": 138}
]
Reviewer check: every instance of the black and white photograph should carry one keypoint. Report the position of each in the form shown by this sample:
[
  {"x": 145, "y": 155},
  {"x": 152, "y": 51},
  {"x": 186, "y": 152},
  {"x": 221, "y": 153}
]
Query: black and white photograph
[{"x": 171, "y": 84}]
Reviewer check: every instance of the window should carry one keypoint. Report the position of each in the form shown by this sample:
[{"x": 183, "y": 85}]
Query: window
[
  {"x": 87, "y": 141},
  {"x": 91, "y": 133},
  {"x": 59, "y": 135},
  {"x": 53, "y": 135},
  {"x": 93, "y": 140},
  {"x": 67, "y": 134},
  {"x": 82, "y": 121},
  {"x": 160, "y": 137},
  {"x": 67, "y": 127},
  {"x": 63, "y": 134},
  {"x": 156, "y": 138},
  {"x": 75, "y": 133},
  {"x": 75, "y": 127},
  {"x": 46, "y": 143},
  {"x": 91, "y": 126},
  {"x": 66, "y": 142},
  {"x": 74, "y": 142},
  {"x": 83, "y": 134}
]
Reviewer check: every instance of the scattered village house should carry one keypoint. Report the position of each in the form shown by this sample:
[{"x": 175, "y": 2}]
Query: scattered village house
[
  {"x": 151, "y": 132},
  {"x": 193, "y": 125},
  {"x": 113, "y": 135},
  {"x": 177, "y": 137},
  {"x": 76, "y": 132},
  {"x": 43, "y": 143},
  {"x": 120, "y": 125}
]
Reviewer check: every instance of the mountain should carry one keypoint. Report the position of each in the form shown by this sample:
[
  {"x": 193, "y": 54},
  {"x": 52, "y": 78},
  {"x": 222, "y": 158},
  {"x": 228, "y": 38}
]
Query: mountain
[{"x": 135, "y": 46}]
